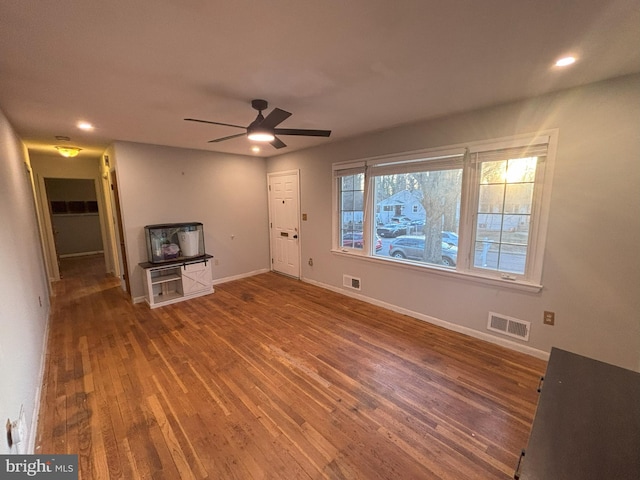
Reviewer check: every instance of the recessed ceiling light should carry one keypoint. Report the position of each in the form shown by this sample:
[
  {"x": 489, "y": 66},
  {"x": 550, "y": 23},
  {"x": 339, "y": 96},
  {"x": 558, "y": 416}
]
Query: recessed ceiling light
[
  {"x": 565, "y": 61},
  {"x": 85, "y": 126},
  {"x": 255, "y": 149}
]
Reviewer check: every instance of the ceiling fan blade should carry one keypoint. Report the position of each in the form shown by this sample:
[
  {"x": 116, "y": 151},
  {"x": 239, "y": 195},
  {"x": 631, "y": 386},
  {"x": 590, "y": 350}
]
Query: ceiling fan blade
[
  {"x": 274, "y": 118},
  {"x": 227, "y": 138},
  {"x": 276, "y": 142},
  {"x": 213, "y": 123},
  {"x": 302, "y": 132}
]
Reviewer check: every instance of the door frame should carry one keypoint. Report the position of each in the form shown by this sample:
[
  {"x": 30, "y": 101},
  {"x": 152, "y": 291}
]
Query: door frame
[
  {"x": 49, "y": 248},
  {"x": 271, "y": 246},
  {"x": 121, "y": 247},
  {"x": 48, "y": 237}
]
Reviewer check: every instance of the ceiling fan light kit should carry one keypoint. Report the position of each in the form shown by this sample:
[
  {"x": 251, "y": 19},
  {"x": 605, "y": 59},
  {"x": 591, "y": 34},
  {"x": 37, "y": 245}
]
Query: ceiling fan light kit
[
  {"x": 256, "y": 131},
  {"x": 260, "y": 136},
  {"x": 263, "y": 129}
]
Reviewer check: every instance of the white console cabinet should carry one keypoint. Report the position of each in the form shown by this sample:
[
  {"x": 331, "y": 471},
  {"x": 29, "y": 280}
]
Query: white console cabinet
[{"x": 175, "y": 282}]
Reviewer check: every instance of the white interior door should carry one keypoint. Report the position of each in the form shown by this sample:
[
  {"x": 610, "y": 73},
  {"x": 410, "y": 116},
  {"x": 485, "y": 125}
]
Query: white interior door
[{"x": 284, "y": 222}]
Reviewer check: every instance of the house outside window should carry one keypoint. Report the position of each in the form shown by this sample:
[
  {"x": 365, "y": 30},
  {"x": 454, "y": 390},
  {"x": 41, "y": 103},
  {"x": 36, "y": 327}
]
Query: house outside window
[{"x": 478, "y": 210}]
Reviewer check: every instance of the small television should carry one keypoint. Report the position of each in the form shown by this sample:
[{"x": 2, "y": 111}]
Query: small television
[{"x": 172, "y": 242}]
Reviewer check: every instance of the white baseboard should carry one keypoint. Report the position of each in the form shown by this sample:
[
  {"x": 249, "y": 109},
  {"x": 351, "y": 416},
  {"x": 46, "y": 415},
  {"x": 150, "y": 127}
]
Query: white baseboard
[
  {"x": 534, "y": 352},
  {"x": 33, "y": 428},
  {"x": 238, "y": 277}
]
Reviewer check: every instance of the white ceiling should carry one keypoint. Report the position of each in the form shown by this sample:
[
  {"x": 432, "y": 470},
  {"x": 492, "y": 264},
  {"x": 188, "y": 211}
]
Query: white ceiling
[{"x": 136, "y": 68}]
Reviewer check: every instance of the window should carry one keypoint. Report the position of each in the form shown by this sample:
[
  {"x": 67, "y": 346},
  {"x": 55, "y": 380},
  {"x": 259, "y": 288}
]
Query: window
[
  {"x": 504, "y": 214},
  {"x": 432, "y": 198},
  {"x": 352, "y": 210},
  {"x": 477, "y": 210}
]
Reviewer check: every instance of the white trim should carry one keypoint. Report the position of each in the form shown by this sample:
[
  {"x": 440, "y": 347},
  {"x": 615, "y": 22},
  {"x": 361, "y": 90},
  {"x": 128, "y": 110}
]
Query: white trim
[
  {"x": 517, "y": 141},
  {"x": 423, "y": 154},
  {"x": 339, "y": 167},
  {"x": 241, "y": 276},
  {"x": 534, "y": 352},
  {"x": 33, "y": 428}
]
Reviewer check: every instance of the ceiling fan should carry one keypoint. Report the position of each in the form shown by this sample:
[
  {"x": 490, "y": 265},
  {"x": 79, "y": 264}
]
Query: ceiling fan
[{"x": 263, "y": 129}]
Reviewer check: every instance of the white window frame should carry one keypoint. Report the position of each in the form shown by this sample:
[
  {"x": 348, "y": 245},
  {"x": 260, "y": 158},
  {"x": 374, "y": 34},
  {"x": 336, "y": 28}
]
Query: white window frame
[
  {"x": 532, "y": 280},
  {"x": 340, "y": 170}
]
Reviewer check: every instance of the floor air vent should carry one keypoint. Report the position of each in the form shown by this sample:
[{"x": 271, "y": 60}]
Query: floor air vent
[
  {"x": 509, "y": 326},
  {"x": 350, "y": 282}
]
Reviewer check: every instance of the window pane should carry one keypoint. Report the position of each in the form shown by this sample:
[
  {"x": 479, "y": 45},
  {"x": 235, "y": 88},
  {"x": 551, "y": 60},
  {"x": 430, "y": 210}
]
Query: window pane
[
  {"x": 358, "y": 200},
  {"x": 493, "y": 172},
  {"x": 504, "y": 215},
  {"x": 521, "y": 170},
  {"x": 491, "y": 199},
  {"x": 512, "y": 259},
  {"x": 351, "y": 210},
  {"x": 415, "y": 212},
  {"x": 518, "y": 198},
  {"x": 347, "y": 200}
]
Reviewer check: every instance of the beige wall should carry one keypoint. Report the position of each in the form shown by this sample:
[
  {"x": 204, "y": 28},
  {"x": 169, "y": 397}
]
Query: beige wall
[
  {"x": 591, "y": 271},
  {"x": 227, "y": 193},
  {"x": 24, "y": 294}
]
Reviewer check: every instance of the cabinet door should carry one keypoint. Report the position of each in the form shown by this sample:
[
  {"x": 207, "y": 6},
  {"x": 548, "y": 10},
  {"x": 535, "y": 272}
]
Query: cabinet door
[{"x": 196, "y": 277}]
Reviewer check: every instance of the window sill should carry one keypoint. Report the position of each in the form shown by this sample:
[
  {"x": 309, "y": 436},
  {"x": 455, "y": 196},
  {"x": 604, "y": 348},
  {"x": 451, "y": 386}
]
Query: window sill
[{"x": 443, "y": 271}]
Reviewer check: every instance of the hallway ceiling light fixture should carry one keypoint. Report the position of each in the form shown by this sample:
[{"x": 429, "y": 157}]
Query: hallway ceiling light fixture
[
  {"x": 565, "y": 61},
  {"x": 68, "y": 151},
  {"x": 85, "y": 126}
]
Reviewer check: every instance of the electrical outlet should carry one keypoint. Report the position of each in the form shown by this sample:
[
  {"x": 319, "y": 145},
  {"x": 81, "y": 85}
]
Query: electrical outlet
[{"x": 549, "y": 318}]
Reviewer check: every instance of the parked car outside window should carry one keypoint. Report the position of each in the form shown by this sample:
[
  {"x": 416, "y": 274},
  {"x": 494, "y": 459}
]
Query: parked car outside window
[
  {"x": 356, "y": 240},
  {"x": 353, "y": 240},
  {"x": 411, "y": 247},
  {"x": 391, "y": 230},
  {"x": 450, "y": 237}
]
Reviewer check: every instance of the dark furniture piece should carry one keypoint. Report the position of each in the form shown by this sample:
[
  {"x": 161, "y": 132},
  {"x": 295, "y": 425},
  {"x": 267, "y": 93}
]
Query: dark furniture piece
[{"x": 587, "y": 424}]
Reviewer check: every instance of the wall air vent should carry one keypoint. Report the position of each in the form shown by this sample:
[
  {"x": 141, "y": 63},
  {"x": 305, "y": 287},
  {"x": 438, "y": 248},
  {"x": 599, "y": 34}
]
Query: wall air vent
[
  {"x": 509, "y": 326},
  {"x": 350, "y": 282}
]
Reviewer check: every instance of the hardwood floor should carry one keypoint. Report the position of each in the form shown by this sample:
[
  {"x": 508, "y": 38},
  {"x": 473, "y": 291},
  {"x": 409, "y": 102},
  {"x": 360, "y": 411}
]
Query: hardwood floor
[{"x": 277, "y": 379}]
